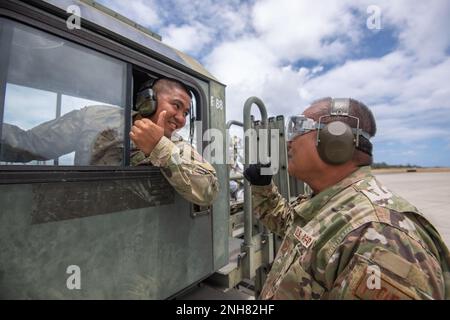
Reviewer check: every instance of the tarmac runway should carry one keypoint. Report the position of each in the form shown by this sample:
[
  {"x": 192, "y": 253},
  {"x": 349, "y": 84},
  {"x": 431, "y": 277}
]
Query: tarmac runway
[{"x": 429, "y": 192}]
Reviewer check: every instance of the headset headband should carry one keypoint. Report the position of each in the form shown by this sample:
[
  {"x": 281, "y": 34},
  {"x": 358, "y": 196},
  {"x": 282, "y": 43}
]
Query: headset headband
[
  {"x": 148, "y": 84},
  {"x": 340, "y": 107}
]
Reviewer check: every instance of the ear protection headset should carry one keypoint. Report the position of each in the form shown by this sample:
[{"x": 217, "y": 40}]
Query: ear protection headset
[
  {"x": 146, "y": 102},
  {"x": 336, "y": 140}
]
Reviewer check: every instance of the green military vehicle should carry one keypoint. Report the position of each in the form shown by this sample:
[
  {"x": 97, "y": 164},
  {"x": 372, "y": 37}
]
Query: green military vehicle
[{"x": 72, "y": 230}]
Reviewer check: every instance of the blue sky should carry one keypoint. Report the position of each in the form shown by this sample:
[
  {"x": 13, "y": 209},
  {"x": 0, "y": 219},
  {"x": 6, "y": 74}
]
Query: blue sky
[{"x": 290, "y": 53}]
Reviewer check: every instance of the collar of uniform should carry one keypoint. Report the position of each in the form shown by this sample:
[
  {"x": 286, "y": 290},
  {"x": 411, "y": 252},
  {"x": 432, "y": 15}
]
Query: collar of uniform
[
  {"x": 308, "y": 209},
  {"x": 176, "y": 137}
]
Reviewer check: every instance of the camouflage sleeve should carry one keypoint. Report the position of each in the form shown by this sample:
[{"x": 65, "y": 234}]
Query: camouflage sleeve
[
  {"x": 379, "y": 261},
  {"x": 192, "y": 177},
  {"x": 43, "y": 142},
  {"x": 271, "y": 208}
]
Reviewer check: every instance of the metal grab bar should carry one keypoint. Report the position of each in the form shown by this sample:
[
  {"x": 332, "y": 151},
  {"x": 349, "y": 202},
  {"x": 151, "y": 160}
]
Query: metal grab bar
[
  {"x": 247, "y": 188},
  {"x": 235, "y": 122}
]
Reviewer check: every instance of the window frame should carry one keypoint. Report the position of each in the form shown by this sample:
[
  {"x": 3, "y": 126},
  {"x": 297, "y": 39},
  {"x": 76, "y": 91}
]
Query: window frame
[{"x": 131, "y": 55}]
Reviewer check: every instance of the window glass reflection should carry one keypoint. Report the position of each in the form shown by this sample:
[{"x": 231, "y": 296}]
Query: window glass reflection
[{"x": 63, "y": 103}]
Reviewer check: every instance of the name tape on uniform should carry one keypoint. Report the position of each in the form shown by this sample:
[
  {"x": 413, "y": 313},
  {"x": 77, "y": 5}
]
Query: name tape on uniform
[{"x": 305, "y": 239}]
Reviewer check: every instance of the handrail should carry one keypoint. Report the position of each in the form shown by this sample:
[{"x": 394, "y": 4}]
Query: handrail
[
  {"x": 247, "y": 188},
  {"x": 235, "y": 122}
]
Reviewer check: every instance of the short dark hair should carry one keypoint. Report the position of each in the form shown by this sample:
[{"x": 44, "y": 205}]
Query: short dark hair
[
  {"x": 166, "y": 84},
  {"x": 163, "y": 84},
  {"x": 363, "y": 153}
]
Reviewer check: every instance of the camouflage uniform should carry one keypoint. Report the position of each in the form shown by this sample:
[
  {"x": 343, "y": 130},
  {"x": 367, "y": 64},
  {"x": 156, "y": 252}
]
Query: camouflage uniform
[
  {"x": 95, "y": 133},
  {"x": 193, "y": 177},
  {"x": 338, "y": 243}
]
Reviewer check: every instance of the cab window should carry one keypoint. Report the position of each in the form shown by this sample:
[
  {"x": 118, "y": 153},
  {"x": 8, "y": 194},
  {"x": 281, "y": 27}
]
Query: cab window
[{"x": 61, "y": 103}]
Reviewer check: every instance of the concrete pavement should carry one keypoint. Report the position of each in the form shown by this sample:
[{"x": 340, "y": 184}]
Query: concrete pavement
[{"x": 429, "y": 192}]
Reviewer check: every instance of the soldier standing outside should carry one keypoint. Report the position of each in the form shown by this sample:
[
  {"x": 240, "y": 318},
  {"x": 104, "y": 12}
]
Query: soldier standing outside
[
  {"x": 95, "y": 134},
  {"x": 352, "y": 238}
]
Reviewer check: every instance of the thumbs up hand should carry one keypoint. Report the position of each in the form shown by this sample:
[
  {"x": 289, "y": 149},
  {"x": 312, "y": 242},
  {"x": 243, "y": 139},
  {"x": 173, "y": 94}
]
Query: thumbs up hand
[
  {"x": 146, "y": 134},
  {"x": 162, "y": 119}
]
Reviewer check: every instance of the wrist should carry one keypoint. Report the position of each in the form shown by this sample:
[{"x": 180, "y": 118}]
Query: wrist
[
  {"x": 149, "y": 149},
  {"x": 262, "y": 189},
  {"x": 161, "y": 153}
]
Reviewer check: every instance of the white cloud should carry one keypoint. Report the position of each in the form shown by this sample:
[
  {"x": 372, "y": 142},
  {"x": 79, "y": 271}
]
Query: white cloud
[
  {"x": 409, "y": 101},
  {"x": 288, "y": 31},
  {"x": 244, "y": 72},
  {"x": 187, "y": 38},
  {"x": 394, "y": 77},
  {"x": 246, "y": 62},
  {"x": 227, "y": 20},
  {"x": 306, "y": 29},
  {"x": 397, "y": 130},
  {"x": 249, "y": 74},
  {"x": 235, "y": 22},
  {"x": 20, "y": 112},
  {"x": 369, "y": 79},
  {"x": 422, "y": 26}
]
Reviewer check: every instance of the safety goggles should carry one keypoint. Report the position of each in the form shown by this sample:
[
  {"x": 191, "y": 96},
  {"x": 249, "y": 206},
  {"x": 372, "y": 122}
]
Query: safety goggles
[{"x": 299, "y": 125}]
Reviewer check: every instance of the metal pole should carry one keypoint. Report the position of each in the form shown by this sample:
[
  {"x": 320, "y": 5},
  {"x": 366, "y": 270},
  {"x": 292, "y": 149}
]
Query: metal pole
[
  {"x": 247, "y": 189},
  {"x": 237, "y": 123}
]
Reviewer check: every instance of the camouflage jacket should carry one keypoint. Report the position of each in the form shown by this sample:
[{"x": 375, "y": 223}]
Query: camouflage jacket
[
  {"x": 354, "y": 240},
  {"x": 192, "y": 176},
  {"x": 96, "y": 135}
]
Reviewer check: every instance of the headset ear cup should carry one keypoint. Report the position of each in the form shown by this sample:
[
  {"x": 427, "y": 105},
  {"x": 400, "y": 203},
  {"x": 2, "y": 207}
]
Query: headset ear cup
[
  {"x": 147, "y": 107},
  {"x": 336, "y": 143},
  {"x": 152, "y": 106}
]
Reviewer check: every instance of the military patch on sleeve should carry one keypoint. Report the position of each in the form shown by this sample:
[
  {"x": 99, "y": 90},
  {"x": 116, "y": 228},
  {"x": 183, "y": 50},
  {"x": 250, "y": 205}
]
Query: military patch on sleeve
[
  {"x": 375, "y": 286},
  {"x": 305, "y": 239}
]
